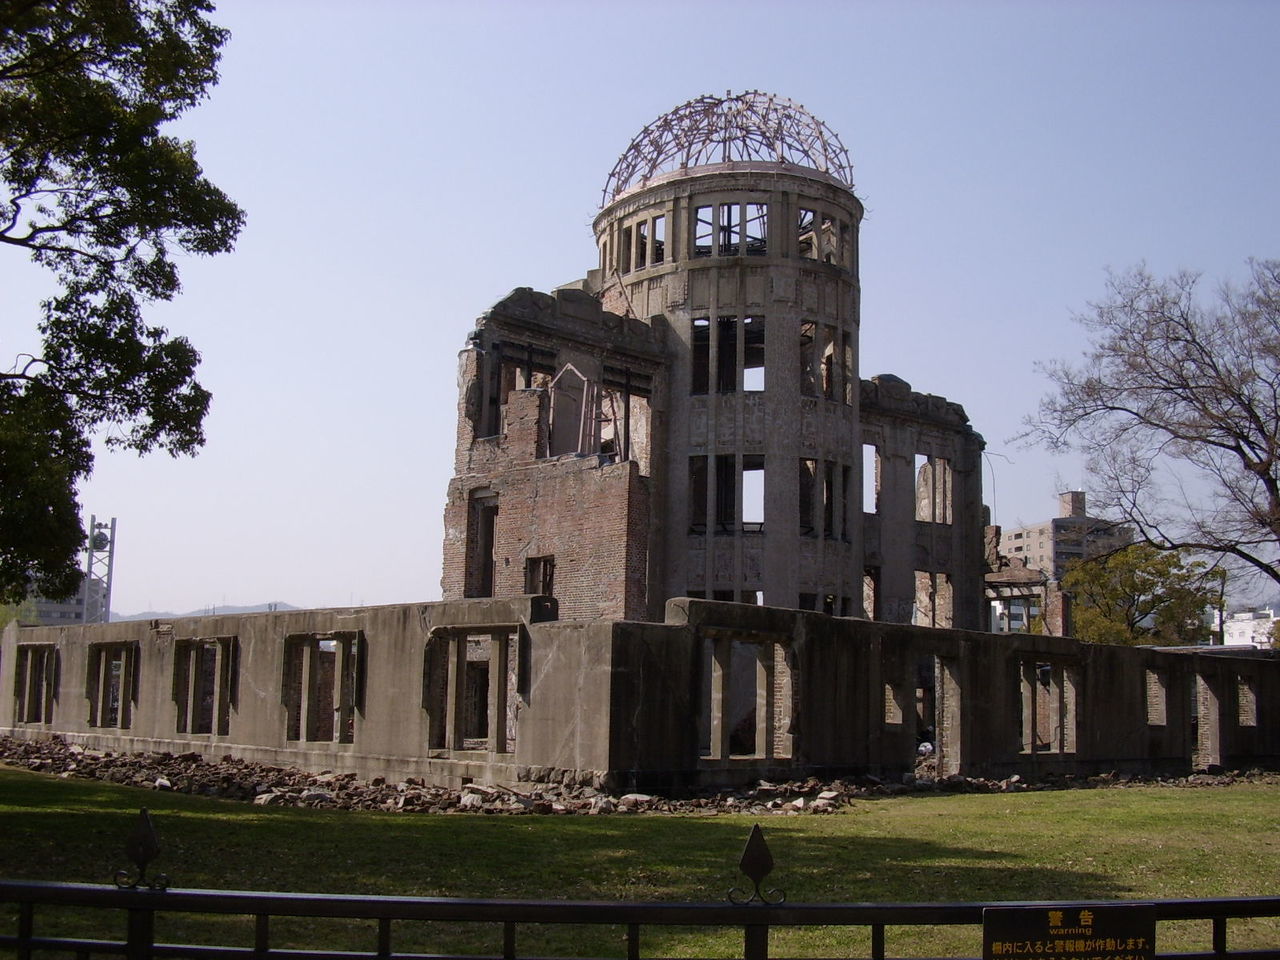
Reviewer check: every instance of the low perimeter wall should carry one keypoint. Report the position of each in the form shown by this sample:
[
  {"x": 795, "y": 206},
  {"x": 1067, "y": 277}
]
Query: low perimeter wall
[{"x": 500, "y": 691}]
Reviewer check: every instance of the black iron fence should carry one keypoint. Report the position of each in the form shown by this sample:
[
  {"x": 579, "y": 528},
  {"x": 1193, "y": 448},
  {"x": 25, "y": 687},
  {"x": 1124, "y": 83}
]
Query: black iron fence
[
  {"x": 139, "y": 908},
  {"x": 136, "y": 905}
]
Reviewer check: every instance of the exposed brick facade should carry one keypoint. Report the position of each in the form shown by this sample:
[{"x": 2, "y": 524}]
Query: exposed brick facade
[{"x": 582, "y": 517}]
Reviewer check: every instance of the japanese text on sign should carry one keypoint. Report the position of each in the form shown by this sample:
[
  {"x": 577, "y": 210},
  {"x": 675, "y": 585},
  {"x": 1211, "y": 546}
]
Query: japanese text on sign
[{"x": 1110, "y": 932}]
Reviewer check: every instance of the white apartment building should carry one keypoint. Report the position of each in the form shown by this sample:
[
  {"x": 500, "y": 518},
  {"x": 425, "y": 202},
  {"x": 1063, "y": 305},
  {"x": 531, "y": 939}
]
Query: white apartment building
[{"x": 1072, "y": 535}]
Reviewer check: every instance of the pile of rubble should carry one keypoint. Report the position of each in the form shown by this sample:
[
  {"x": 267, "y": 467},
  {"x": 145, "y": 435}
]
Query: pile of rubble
[{"x": 266, "y": 785}]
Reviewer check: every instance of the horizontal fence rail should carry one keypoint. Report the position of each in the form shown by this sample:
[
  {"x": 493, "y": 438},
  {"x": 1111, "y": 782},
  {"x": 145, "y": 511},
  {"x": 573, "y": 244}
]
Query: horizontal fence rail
[
  {"x": 136, "y": 903},
  {"x": 139, "y": 908}
]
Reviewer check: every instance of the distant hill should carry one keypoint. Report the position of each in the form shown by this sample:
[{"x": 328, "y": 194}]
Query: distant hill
[{"x": 203, "y": 612}]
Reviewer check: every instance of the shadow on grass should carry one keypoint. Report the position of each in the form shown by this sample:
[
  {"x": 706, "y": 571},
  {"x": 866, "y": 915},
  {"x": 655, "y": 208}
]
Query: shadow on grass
[{"x": 74, "y": 830}]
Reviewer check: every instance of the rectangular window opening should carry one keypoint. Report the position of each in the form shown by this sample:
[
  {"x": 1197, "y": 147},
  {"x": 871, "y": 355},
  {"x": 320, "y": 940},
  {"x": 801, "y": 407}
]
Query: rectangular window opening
[
  {"x": 871, "y": 592},
  {"x": 659, "y": 240},
  {"x": 933, "y": 489},
  {"x": 206, "y": 684},
  {"x": 474, "y": 715},
  {"x": 828, "y": 499},
  {"x": 1048, "y": 714},
  {"x": 846, "y": 486},
  {"x": 727, "y": 355},
  {"x": 539, "y": 575},
  {"x": 482, "y": 519},
  {"x": 205, "y": 681},
  {"x": 893, "y": 704},
  {"x": 36, "y": 682},
  {"x": 846, "y": 368},
  {"x": 707, "y": 696},
  {"x": 805, "y": 487},
  {"x": 1070, "y": 682},
  {"x": 625, "y": 250},
  {"x": 320, "y": 718},
  {"x": 703, "y": 231},
  {"x": 730, "y": 229},
  {"x": 742, "y": 699},
  {"x": 753, "y": 353},
  {"x": 806, "y": 245},
  {"x": 1246, "y": 702},
  {"x": 111, "y": 684},
  {"x": 700, "y": 346},
  {"x": 490, "y": 373},
  {"x": 698, "y": 494},
  {"x": 831, "y": 252},
  {"x": 642, "y": 244},
  {"x": 830, "y": 363},
  {"x": 870, "y": 478},
  {"x": 752, "y": 493},
  {"x": 924, "y": 489},
  {"x": 933, "y": 600},
  {"x": 726, "y": 494},
  {"x": 757, "y": 229},
  {"x": 435, "y": 683},
  {"x": 808, "y": 369},
  {"x": 323, "y": 686}
]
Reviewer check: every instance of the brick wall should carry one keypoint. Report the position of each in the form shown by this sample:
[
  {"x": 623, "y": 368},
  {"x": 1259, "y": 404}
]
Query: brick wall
[{"x": 592, "y": 517}]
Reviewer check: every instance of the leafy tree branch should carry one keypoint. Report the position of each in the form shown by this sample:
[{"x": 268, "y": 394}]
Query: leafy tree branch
[
  {"x": 1140, "y": 594},
  {"x": 93, "y": 190}
]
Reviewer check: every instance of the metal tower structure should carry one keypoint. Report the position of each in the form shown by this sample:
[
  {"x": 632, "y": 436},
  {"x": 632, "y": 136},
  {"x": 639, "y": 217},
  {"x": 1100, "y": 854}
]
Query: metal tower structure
[{"x": 100, "y": 553}]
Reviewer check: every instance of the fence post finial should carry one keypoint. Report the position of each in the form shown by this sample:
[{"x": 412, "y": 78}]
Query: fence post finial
[
  {"x": 756, "y": 864},
  {"x": 142, "y": 846}
]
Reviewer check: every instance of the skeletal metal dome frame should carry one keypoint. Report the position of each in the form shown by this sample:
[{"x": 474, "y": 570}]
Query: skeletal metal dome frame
[{"x": 743, "y": 127}]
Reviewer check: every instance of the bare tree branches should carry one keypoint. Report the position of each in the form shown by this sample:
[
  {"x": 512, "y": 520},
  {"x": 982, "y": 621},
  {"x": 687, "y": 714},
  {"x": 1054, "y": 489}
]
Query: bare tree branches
[{"x": 1176, "y": 405}]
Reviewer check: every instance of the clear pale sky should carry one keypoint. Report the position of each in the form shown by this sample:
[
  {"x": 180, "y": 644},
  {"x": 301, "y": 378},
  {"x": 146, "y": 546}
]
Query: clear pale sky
[{"x": 405, "y": 164}]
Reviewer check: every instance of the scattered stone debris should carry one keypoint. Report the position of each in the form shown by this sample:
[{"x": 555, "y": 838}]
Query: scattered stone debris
[{"x": 269, "y": 786}]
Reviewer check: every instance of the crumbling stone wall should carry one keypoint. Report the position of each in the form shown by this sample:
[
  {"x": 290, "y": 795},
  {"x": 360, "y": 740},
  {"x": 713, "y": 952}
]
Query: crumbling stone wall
[
  {"x": 592, "y": 518},
  {"x": 557, "y": 407},
  {"x": 923, "y": 543},
  {"x": 622, "y": 705}
]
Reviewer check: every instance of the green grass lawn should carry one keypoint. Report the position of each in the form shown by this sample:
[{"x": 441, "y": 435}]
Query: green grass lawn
[{"x": 1145, "y": 842}]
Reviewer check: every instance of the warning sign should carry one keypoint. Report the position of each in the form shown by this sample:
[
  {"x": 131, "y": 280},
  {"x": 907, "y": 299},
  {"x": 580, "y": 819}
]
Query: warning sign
[{"x": 1109, "y": 932}]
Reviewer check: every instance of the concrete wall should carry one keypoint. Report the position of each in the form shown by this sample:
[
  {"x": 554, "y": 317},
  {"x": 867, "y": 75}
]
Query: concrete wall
[
  {"x": 500, "y": 691},
  {"x": 925, "y": 534},
  {"x": 764, "y": 406}
]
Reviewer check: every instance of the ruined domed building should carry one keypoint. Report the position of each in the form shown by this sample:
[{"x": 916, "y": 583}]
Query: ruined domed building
[
  {"x": 689, "y": 420},
  {"x": 686, "y": 425}
]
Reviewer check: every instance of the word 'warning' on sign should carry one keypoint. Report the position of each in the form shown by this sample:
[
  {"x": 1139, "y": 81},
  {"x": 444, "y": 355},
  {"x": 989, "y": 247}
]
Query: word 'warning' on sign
[{"x": 1070, "y": 932}]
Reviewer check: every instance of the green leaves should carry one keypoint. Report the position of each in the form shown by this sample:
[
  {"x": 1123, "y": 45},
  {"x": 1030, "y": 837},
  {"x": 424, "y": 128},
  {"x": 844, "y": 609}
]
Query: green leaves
[
  {"x": 43, "y": 455},
  {"x": 1142, "y": 595},
  {"x": 93, "y": 190}
]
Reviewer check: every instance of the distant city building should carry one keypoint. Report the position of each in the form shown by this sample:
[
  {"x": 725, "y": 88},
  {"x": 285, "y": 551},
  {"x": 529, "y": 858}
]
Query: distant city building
[
  {"x": 1051, "y": 545},
  {"x": 60, "y": 613},
  {"x": 1249, "y": 628}
]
